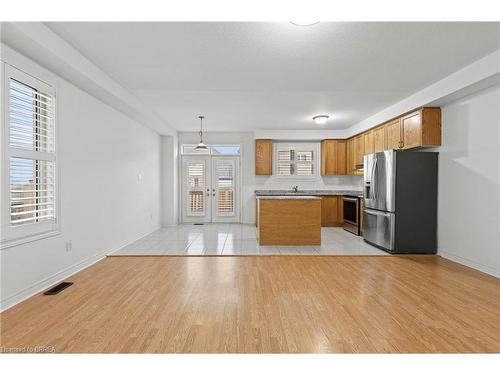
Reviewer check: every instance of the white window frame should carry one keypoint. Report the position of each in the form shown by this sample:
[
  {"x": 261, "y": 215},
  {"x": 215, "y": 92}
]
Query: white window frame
[
  {"x": 209, "y": 151},
  {"x": 297, "y": 146},
  {"x": 16, "y": 235}
]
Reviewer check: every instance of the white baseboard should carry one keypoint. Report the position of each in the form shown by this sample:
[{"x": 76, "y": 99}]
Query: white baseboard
[
  {"x": 470, "y": 263},
  {"x": 45, "y": 283}
]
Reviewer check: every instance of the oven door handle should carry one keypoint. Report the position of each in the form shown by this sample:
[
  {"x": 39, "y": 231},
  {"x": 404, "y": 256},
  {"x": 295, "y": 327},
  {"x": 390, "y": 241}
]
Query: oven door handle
[{"x": 350, "y": 199}]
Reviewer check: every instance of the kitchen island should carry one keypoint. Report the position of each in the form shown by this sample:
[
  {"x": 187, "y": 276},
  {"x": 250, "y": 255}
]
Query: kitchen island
[{"x": 289, "y": 220}]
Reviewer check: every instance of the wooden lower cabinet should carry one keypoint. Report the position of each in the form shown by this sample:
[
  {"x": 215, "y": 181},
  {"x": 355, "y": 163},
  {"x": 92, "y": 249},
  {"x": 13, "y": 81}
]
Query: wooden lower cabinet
[
  {"x": 332, "y": 211},
  {"x": 289, "y": 222}
]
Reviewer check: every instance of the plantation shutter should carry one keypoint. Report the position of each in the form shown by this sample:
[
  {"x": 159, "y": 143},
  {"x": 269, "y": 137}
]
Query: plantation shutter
[
  {"x": 196, "y": 187},
  {"x": 225, "y": 173},
  {"x": 31, "y": 166},
  {"x": 295, "y": 162}
]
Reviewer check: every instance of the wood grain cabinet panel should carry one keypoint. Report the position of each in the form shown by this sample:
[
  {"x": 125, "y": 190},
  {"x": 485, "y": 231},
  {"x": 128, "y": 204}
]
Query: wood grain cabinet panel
[
  {"x": 380, "y": 139},
  {"x": 368, "y": 142},
  {"x": 359, "y": 149},
  {"x": 412, "y": 130},
  {"x": 350, "y": 162},
  {"x": 289, "y": 222},
  {"x": 263, "y": 157},
  {"x": 331, "y": 211},
  {"x": 333, "y": 157},
  {"x": 421, "y": 128},
  {"x": 393, "y": 133}
]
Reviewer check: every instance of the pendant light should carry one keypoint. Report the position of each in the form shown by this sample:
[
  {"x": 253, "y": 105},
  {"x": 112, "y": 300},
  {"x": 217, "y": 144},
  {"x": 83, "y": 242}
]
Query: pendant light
[{"x": 201, "y": 146}]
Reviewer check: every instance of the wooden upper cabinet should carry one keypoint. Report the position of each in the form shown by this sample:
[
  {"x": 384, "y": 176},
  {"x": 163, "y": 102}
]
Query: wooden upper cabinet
[
  {"x": 263, "y": 157},
  {"x": 350, "y": 162},
  {"x": 359, "y": 149},
  {"x": 368, "y": 141},
  {"x": 421, "y": 128},
  {"x": 393, "y": 134},
  {"x": 333, "y": 157},
  {"x": 380, "y": 139},
  {"x": 341, "y": 162}
]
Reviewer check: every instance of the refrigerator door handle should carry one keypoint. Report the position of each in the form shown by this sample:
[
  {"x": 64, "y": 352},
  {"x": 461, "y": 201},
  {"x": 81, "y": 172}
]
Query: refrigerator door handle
[
  {"x": 377, "y": 213},
  {"x": 374, "y": 185}
]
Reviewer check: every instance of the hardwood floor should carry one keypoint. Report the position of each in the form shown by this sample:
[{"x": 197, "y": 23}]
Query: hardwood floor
[{"x": 265, "y": 304}]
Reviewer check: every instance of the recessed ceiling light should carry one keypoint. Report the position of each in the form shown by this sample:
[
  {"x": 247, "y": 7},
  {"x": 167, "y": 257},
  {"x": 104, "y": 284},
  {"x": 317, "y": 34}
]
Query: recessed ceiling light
[
  {"x": 304, "y": 23},
  {"x": 321, "y": 119}
]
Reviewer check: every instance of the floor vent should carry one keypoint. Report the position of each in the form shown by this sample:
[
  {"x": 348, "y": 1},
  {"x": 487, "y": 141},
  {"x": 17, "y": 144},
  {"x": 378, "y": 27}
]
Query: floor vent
[
  {"x": 58, "y": 288},
  {"x": 198, "y": 223}
]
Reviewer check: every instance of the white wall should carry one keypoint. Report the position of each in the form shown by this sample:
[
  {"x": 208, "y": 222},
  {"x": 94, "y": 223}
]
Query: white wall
[
  {"x": 170, "y": 181},
  {"x": 103, "y": 203},
  {"x": 250, "y": 182},
  {"x": 469, "y": 181}
]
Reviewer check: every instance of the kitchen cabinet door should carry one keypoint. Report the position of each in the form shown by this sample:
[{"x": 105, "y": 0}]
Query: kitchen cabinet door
[
  {"x": 379, "y": 139},
  {"x": 394, "y": 137},
  {"x": 350, "y": 163},
  {"x": 330, "y": 206},
  {"x": 422, "y": 128},
  {"x": 359, "y": 149},
  {"x": 333, "y": 157},
  {"x": 412, "y": 130},
  {"x": 263, "y": 157},
  {"x": 368, "y": 142},
  {"x": 341, "y": 157},
  {"x": 327, "y": 157}
]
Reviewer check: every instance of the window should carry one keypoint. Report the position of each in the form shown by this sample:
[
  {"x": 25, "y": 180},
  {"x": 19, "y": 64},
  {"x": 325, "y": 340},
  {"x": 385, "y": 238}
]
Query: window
[
  {"x": 29, "y": 168},
  {"x": 296, "y": 160},
  {"x": 212, "y": 150}
]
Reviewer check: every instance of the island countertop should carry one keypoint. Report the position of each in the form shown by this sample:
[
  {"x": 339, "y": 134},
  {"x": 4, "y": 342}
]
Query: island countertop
[
  {"x": 289, "y": 193},
  {"x": 288, "y": 197}
]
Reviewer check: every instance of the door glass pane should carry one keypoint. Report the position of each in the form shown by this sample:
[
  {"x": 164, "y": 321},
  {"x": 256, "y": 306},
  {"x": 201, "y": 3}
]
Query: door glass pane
[
  {"x": 196, "y": 175},
  {"x": 225, "y": 150},
  {"x": 196, "y": 185},
  {"x": 225, "y": 186},
  {"x": 196, "y": 202}
]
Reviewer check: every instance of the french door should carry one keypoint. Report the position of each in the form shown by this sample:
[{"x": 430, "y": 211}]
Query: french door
[{"x": 210, "y": 191}]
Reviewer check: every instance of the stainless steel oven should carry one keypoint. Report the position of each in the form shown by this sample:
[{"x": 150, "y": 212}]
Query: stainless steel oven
[{"x": 352, "y": 215}]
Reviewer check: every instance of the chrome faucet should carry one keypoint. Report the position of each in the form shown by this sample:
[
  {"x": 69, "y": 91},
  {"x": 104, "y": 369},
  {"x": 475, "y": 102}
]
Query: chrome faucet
[{"x": 295, "y": 189}]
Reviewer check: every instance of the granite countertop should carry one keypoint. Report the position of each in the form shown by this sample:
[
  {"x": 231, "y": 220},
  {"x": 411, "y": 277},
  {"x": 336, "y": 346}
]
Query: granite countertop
[
  {"x": 287, "y": 197},
  {"x": 356, "y": 193}
]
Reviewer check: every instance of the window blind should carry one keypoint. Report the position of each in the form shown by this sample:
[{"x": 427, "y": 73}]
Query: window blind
[
  {"x": 225, "y": 186},
  {"x": 32, "y": 172},
  {"x": 293, "y": 162}
]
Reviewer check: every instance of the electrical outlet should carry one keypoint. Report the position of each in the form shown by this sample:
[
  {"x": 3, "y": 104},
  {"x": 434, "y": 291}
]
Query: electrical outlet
[{"x": 68, "y": 246}]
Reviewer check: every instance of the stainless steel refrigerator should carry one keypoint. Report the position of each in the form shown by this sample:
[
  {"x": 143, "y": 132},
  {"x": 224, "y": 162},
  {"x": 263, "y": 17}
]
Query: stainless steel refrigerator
[{"x": 400, "y": 196}]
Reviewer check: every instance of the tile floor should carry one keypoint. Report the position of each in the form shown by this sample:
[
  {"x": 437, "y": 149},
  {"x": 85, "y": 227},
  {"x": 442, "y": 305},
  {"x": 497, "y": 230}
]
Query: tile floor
[{"x": 239, "y": 239}]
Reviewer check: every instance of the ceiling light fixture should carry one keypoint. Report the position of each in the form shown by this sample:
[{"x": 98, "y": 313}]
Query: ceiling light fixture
[
  {"x": 304, "y": 23},
  {"x": 321, "y": 119},
  {"x": 201, "y": 146}
]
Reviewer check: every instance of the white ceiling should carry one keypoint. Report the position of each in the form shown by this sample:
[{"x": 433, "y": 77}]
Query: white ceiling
[{"x": 247, "y": 76}]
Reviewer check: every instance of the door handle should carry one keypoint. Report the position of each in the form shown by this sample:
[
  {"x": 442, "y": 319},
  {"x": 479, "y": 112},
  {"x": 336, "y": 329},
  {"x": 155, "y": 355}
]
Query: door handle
[{"x": 374, "y": 182}]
